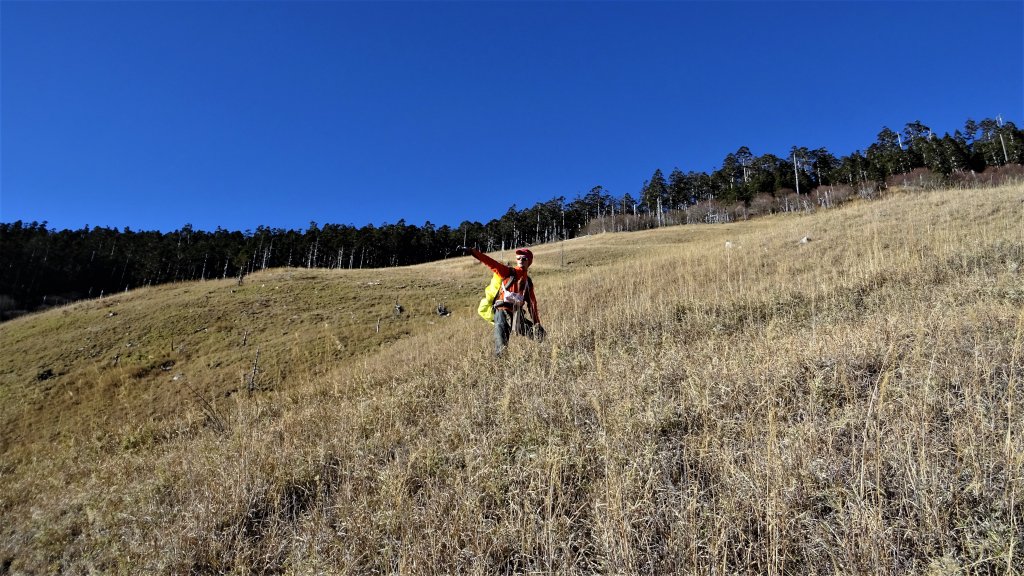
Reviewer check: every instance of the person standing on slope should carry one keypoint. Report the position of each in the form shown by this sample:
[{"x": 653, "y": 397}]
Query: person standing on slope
[{"x": 515, "y": 294}]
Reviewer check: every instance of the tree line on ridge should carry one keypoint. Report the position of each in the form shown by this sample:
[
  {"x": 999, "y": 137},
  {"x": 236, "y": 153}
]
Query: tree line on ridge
[{"x": 43, "y": 267}]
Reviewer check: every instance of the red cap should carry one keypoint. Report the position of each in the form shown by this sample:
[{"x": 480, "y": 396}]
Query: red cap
[{"x": 525, "y": 252}]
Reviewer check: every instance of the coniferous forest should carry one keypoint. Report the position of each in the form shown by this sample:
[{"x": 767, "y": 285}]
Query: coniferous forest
[{"x": 43, "y": 267}]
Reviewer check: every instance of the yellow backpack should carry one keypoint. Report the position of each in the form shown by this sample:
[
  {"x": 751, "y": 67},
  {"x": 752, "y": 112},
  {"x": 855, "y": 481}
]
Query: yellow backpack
[{"x": 486, "y": 307}]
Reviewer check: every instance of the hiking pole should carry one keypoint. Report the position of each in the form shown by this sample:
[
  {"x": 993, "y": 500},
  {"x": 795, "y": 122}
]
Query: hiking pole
[{"x": 459, "y": 251}]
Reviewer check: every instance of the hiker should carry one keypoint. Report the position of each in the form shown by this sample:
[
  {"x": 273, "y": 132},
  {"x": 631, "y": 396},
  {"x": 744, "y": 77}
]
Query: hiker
[{"x": 516, "y": 292}]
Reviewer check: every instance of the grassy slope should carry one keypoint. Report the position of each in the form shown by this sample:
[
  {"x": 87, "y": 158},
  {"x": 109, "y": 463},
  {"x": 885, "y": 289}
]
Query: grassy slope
[
  {"x": 144, "y": 355},
  {"x": 846, "y": 405}
]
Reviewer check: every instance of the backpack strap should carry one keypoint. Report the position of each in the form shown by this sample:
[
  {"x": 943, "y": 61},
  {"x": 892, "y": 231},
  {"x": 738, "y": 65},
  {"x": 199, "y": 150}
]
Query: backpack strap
[
  {"x": 511, "y": 280},
  {"x": 506, "y": 286}
]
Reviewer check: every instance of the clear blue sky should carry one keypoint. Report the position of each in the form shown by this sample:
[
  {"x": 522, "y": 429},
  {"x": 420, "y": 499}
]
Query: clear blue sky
[{"x": 153, "y": 115}]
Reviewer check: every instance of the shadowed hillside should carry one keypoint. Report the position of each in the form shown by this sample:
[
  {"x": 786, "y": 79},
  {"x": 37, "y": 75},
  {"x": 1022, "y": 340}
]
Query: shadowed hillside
[{"x": 711, "y": 399}]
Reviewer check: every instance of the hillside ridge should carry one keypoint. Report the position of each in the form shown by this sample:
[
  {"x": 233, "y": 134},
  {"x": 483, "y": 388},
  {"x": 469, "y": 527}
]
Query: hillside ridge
[{"x": 722, "y": 395}]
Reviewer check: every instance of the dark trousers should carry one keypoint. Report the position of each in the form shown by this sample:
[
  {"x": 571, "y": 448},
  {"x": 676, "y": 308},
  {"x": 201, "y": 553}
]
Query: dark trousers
[{"x": 503, "y": 329}]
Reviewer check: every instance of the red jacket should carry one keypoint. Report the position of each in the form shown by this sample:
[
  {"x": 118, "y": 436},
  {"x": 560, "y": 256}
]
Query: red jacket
[{"x": 520, "y": 286}]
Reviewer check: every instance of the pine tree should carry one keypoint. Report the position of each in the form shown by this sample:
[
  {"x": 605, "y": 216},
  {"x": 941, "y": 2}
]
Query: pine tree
[
  {"x": 885, "y": 157},
  {"x": 655, "y": 192},
  {"x": 677, "y": 189}
]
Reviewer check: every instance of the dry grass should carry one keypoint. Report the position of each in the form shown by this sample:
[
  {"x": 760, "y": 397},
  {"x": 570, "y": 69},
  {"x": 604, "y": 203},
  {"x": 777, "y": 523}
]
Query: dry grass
[{"x": 849, "y": 405}]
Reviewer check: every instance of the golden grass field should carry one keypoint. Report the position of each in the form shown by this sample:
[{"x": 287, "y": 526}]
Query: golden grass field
[{"x": 848, "y": 405}]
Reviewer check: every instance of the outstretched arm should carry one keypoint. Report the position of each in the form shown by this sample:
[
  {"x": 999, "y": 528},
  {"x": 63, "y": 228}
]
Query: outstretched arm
[{"x": 494, "y": 265}]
